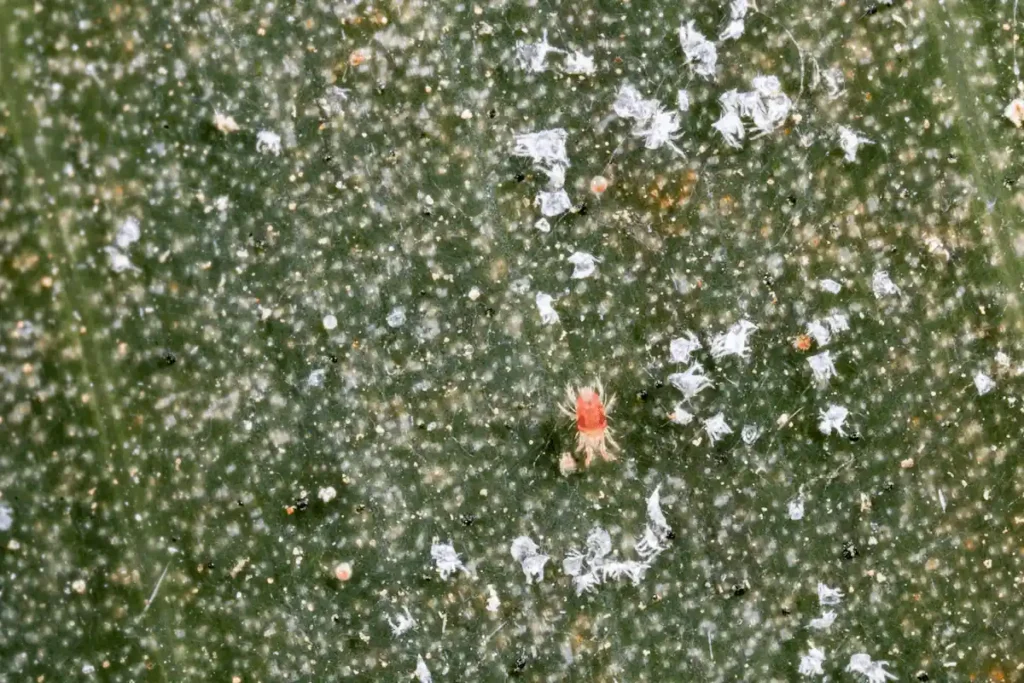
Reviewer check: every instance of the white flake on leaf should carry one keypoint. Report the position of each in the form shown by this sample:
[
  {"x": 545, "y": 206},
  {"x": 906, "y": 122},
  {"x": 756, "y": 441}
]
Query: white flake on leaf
[
  {"x": 6, "y": 518},
  {"x": 402, "y": 623},
  {"x": 119, "y": 262},
  {"x": 224, "y": 123},
  {"x": 750, "y": 433},
  {"x": 548, "y": 315},
  {"x": 396, "y": 318},
  {"x": 528, "y": 555},
  {"x": 691, "y": 382},
  {"x": 650, "y": 121},
  {"x": 532, "y": 57},
  {"x": 810, "y": 663},
  {"x": 446, "y": 560},
  {"x": 832, "y": 420},
  {"x": 737, "y": 14},
  {"x": 579, "y": 64},
  {"x": 983, "y": 383},
  {"x": 655, "y": 515},
  {"x": 553, "y": 203},
  {"x": 734, "y": 341},
  {"x": 701, "y": 54},
  {"x": 128, "y": 233},
  {"x": 543, "y": 225},
  {"x": 796, "y": 509},
  {"x": 730, "y": 126},
  {"x": 268, "y": 141},
  {"x": 850, "y": 141},
  {"x": 830, "y": 286},
  {"x": 545, "y": 148},
  {"x": 882, "y": 285},
  {"x": 824, "y": 622},
  {"x": 680, "y": 415},
  {"x": 422, "y": 673},
  {"x": 819, "y": 332},
  {"x": 1015, "y": 112},
  {"x": 493, "y": 602},
  {"x": 682, "y": 100},
  {"x": 873, "y": 672},
  {"x": 829, "y": 596},
  {"x": 822, "y": 366},
  {"x": 584, "y": 265},
  {"x": 835, "y": 83},
  {"x": 766, "y": 106},
  {"x": 716, "y": 427},
  {"x": 681, "y": 348}
]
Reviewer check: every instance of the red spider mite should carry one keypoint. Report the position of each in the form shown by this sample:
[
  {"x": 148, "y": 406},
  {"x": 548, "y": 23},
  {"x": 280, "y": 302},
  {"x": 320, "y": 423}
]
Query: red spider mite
[{"x": 593, "y": 436}]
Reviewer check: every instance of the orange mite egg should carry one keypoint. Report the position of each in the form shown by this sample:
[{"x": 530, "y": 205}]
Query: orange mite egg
[
  {"x": 802, "y": 342},
  {"x": 357, "y": 57},
  {"x": 598, "y": 184},
  {"x": 343, "y": 571}
]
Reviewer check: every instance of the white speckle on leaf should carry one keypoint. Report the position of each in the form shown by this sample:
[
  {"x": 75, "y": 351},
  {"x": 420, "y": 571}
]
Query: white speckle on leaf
[
  {"x": 553, "y": 203},
  {"x": 543, "y": 225},
  {"x": 681, "y": 348},
  {"x": 225, "y": 124},
  {"x": 579, "y": 64},
  {"x": 680, "y": 415},
  {"x": 584, "y": 265},
  {"x": 716, "y": 427},
  {"x": 873, "y": 672},
  {"x": 691, "y": 382},
  {"x": 796, "y": 509},
  {"x": 396, "y": 318},
  {"x": 701, "y": 54},
  {"x": 830, "y": 286},
  {"x": 983, "y": 383},
  {"x": 682, "y": 100},
  {"x": 1015, "y": 112},
  {"x": 128, "y": 233},
  {"x": 750, "y": 434},
  {"x": 734, "y": 341},
  {"x": 650, "y": 121},
  {"x": 493, "y": 602},
  {"x": 268, "y": 141},
  {"x": 832, "y": 420},
  {"x": 824, "y": 622},
  {"x": 822, "y": 366},
  {"x": 829, "y": 596},
  {"x": 545, "y": 148},
  {"x": 881, "y": 285},
  {"x": 548, "y": 315},
  {"x": 402, "y": 623},
  {"x": 330, "y": 322},
  {"x": 316, "y": 378},
  {"x": 850, "y": 141},
  {"x": 446, "y": 560},
  {"x": 6, "y": 518},
  {"x": 810, "y": 663},
  {"x": 422, "y": 673},
  {"x": 327, "y": 494},
  {"x": 532, "y": 57}
]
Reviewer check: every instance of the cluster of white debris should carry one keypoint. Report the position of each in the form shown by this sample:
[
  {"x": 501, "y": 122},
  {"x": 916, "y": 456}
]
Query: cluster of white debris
[{"x": 593, "y": 566}]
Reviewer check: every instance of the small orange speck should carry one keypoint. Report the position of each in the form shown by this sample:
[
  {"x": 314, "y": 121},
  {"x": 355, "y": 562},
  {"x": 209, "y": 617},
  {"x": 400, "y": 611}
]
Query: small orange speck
[
  {"x": 598, "y": 184},
  {"x": 358, "y": 57},
  {"x": 802, "y": 342},
  {"x": 343, "y": 571},
  {"x": 290, "y": 510}
]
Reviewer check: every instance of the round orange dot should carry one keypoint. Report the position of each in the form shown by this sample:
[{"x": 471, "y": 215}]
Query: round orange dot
[
  {"x": 598, "y": 184},
  {"x": 343, "y": 572},
  {"x": 357, "y": 57}
]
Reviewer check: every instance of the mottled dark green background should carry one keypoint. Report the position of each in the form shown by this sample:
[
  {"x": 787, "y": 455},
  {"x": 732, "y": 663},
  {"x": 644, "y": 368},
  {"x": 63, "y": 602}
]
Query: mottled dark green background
[{"x": 158, "y": 423}]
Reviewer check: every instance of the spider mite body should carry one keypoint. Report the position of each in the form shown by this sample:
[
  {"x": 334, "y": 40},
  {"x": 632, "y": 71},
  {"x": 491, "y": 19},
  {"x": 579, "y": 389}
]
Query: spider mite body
[{"x": 586, "y": 407}]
